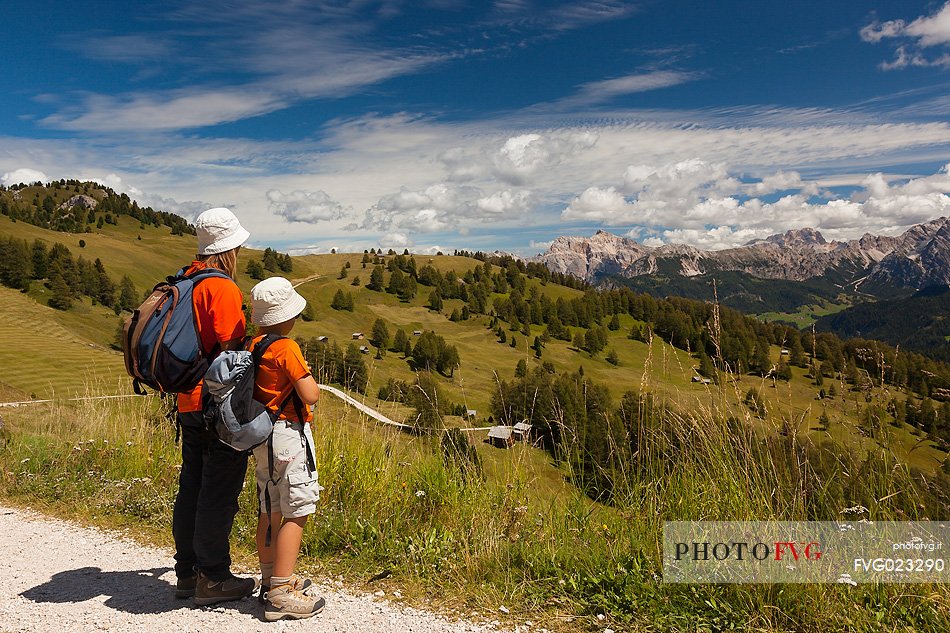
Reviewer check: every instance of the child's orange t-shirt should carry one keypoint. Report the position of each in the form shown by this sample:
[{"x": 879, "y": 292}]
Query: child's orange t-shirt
[
  {"x": 219, "y": 316},
  {"x": 281, "y": 367}
]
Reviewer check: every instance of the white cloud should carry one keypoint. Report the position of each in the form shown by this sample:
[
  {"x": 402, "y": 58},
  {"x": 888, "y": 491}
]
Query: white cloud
[
  {"x": 604, "y": 90},
  {"x": 309, "y": 207},
  {"x": 538, "y": 247},
  {"x": 395, "y": 240},
  {"x": 706, "y": 218},
  {"x": 23, "y": 175},
  {"x": 442, "y": 207},
  {"x": 926, "y": 31},
  {"x": 784, "y": 181},
  {"x": 678, "y": 180},
  {"x": 522, "y": 157},
  {"x": 597, "y": 203}
]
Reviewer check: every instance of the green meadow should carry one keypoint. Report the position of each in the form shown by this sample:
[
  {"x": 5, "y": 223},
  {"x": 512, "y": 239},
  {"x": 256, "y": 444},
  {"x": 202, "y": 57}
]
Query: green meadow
[{"x": 517, "y": 530}]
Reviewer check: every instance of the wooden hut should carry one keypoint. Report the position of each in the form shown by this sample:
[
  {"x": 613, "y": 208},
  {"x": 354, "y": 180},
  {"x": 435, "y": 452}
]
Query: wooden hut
[
  {"x": 500, "y": 437},
  {"x": 521, "y": 432}
]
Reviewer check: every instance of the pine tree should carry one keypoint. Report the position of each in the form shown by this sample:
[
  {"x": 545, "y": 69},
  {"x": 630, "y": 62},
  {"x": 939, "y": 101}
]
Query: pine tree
[
  {"x": 408, "y": 291},
  {"x": 62, "y": 296},
  {"x": 128, "y": 298},
  {"x": 537, "y": 347},
  {"x": 40, "y": 260},
  {"x": 614, "y": 324},
  {"x": 354, "y": 373},
  {"x": 399, "y": 341},
  {"x": 376, "y": 279},
  {"x": 435, "y": 301},
  {"x": 396, "y": 281},
  {"x": 342, "y": 301},
  {"x": 255, "y": 270},
  {"x": 380, "y": 335},
  {"x": 579, "y": 340}
]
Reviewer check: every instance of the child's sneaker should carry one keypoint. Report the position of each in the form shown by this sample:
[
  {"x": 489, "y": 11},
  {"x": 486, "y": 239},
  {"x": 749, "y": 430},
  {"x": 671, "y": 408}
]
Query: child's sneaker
[
  {"x": 286, "y": 602},
  {"x": 298, "y": 583}
]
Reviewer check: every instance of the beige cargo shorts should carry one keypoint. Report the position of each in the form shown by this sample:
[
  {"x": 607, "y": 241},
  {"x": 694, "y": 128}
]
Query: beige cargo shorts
[{"x": 292, "y": 487}]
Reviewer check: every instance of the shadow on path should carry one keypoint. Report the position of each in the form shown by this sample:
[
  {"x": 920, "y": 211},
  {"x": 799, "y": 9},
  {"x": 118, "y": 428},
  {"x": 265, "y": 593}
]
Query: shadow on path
[{"x": 137, "y": 592}]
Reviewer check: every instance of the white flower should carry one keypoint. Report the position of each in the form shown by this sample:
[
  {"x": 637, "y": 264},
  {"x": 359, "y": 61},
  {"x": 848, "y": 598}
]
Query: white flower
[{"x": 420, "y": 493}]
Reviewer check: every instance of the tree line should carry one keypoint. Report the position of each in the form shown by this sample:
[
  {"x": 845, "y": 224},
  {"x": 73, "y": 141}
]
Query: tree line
[
  {"x": 67, "y": 278},
  {"x": 44, "y": 206},
  {"x": 723, "y": 339}
]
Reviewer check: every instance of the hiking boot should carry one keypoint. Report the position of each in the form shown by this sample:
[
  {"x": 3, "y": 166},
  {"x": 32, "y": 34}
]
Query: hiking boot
[
  {"x": 299, "y": 584},
  {"x": 209, "y": 591},
  {"x": 185, "y": 587},
  {"x": 286, "y": 602}
]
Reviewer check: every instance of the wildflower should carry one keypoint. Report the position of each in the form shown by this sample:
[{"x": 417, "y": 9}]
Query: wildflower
[
  {"x": 128, "y": 443},
  {"x": 420, "y": 493},
  {"x": 23, "y": 461},
  {"x": 403, "y": 484}
]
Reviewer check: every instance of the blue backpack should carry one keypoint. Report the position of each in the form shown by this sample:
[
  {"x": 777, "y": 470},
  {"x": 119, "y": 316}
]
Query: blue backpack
[{"x": 160, "y": 342}]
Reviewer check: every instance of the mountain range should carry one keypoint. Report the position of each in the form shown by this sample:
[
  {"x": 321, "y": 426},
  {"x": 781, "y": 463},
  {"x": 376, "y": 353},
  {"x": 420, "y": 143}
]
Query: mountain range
[{"x": 872, "y": 264}]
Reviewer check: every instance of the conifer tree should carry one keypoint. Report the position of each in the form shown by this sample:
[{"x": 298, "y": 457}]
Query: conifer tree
[
  {"x": 400, "y": 340},
  {"x": 128, "y": 298},
  {"x": 380, "y": 335},
  {"x": 62, "y": 296}
]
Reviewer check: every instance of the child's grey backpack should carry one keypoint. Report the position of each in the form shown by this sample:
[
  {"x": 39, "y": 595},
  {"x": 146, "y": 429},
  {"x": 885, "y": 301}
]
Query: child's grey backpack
[{"x": 228, "y": 403}]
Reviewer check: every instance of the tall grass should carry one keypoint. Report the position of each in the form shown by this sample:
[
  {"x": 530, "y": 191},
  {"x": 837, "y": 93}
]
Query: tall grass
[{"x": 392, "y": 503}]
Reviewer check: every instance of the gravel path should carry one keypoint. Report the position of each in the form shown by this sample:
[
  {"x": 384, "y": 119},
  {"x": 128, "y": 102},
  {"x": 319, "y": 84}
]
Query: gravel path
[{"x": 57, "y": 576}]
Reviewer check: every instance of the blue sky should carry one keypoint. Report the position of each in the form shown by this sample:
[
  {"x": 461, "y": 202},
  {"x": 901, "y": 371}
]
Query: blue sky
[{"x": 491, "y": 125}]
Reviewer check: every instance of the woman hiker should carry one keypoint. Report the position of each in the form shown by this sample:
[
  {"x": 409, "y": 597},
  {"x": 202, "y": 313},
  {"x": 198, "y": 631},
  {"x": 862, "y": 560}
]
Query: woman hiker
[{"x": 212, "y": 474}]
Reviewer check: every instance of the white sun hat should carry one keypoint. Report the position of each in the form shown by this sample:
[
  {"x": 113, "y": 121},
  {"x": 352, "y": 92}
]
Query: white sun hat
[
  {"x": 274, "y": 301},
  {"x": 219, "y": 231}
]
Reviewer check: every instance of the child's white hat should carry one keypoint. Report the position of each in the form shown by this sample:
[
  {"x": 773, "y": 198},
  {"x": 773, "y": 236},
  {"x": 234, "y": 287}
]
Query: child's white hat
[
  {"x": 274, "y": 301},
  {"x": 218, "y": 231}
]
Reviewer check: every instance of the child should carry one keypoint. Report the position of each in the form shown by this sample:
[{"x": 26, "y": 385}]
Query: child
[{"x": 286, "y": 473}]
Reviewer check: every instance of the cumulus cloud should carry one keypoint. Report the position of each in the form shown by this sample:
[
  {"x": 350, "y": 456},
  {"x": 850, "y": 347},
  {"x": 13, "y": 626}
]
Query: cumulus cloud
[
  {"x": 683, "y": 179},
  {"x": 23, "y": 175},
  {"x": 517, "y": 160},
  {"x": 523, "y": 156},
  {"x": 309, "y": 207},
  {"x": 925, "y": 32},
  {"x": 706, "y": 217},
  {"x": 395, "y": 240},
  {"x": 784, "y": 181},
  {"x": 442, "y": 207}
]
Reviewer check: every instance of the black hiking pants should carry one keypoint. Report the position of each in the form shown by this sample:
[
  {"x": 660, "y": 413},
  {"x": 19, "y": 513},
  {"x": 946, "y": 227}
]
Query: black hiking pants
[{"x": 211, "y": 479}]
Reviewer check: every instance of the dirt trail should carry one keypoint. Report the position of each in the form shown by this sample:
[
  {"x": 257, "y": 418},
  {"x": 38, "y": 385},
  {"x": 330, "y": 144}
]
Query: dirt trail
[{"x": 58, "y": 576}]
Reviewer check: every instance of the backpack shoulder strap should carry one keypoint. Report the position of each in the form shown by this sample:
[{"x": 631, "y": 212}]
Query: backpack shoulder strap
[
  {"x": 261, "y": 347},
  {"x": 202, "y": 273}
]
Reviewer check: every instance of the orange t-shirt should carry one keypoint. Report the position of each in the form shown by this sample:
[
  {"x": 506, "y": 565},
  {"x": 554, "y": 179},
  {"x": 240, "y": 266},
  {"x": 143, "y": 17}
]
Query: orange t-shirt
[
  {"x": 219, "y": 317},
  {"x": 281, "y": 367}
]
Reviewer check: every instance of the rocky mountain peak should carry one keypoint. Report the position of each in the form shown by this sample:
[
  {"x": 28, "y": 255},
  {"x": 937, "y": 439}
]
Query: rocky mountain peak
[
  {"x": 918, "y": 257},
  {"x": 800, "y": 237}
]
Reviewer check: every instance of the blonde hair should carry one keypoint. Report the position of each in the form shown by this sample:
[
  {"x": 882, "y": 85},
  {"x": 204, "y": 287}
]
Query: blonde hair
[{"x": 226, "y": 261}]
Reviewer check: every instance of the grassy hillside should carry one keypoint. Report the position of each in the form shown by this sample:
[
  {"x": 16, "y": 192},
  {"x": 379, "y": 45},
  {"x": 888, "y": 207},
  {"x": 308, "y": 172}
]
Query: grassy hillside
[
  {"x": 920, "y": 322},
  {"x": 515, "y": 531},
  {"x": 657, "y": 366}
]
